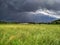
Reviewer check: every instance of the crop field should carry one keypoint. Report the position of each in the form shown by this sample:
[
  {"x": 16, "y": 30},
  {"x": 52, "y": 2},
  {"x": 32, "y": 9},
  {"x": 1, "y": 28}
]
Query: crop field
[{"x": 29, "y": 34}]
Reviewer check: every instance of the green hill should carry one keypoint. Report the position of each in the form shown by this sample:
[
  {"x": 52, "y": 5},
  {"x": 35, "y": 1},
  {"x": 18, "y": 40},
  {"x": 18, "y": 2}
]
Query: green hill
[{"x": 56, "y": 21}]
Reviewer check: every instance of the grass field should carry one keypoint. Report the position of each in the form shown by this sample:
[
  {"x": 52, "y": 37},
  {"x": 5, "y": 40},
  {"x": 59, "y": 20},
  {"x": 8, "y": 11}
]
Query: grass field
[{"x": 29, "y": 34}]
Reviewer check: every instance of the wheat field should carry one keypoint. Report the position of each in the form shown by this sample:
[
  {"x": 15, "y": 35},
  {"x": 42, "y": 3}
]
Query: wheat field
[{"x": 29, "y": 34}]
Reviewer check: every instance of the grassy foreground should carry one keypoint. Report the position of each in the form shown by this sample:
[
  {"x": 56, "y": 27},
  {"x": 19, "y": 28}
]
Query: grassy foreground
[{"x": 29, "y": 34}]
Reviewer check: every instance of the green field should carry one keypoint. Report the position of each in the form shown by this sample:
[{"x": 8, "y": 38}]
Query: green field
[{"x": 29, "y": 34}]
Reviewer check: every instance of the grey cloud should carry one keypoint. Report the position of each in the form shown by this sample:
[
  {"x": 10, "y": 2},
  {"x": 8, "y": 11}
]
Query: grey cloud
[
  {"x": 31, "y": 5},
  {"x": 13, "y": 9}
]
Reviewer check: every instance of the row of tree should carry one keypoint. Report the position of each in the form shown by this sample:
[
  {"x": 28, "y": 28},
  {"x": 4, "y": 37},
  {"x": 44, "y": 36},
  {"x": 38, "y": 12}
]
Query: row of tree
[
  {"x": 53, "y": 22},
  {"x": 8, "y": 22}
]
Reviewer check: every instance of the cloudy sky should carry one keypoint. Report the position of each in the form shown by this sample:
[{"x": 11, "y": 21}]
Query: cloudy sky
[{"x": 29, "y": 10}]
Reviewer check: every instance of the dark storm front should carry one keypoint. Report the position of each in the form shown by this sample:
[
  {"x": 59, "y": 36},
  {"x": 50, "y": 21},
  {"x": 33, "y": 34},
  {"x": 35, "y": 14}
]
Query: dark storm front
[{"x": 19, "y": 10}]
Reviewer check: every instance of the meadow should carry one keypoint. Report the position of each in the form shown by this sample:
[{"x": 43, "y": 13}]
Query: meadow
[{"x": 29, "y": 34}]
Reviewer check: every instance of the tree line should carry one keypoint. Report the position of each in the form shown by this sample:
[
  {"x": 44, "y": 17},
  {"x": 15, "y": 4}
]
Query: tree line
[{"x": 8, "y": 22}]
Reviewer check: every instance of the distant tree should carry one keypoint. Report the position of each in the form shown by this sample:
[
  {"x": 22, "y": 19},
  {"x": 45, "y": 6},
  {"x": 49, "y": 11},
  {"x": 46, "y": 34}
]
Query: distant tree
[
  {"x": 56, "y": 21},
  {"x": 3, "y": 22},
  {"x": 31, "y": 22}
]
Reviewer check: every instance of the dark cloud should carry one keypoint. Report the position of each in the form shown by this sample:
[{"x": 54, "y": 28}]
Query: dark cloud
[
  {"x": 13, "y": 9},
  {"x": 30, "y": 5}
]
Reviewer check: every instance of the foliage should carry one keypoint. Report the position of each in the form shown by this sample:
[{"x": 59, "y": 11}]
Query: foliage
[
  {"x": 10, "y": 22},
  {"x": 56, "y": 22}
]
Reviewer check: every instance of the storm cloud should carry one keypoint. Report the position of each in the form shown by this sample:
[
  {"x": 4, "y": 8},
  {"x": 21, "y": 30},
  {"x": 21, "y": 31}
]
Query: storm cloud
[
  {"x": 30, "y": 5},
  {"x": 21, "y": 9}
]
